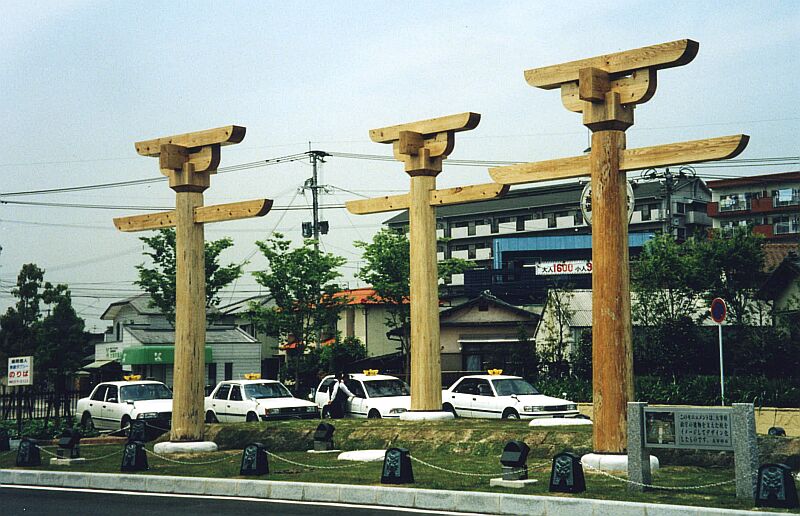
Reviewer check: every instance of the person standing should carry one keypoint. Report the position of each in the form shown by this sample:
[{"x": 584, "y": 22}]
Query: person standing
[{"x": 339, "y": 397}]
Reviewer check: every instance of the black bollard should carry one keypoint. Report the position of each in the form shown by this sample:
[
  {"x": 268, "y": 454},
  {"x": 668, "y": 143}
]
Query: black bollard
[
  {"x": 5, "y": 442},
  {"x": 254, "y": 460},
  {"x": 323, "y": 437},
  {"x": 567, "y": 474},
  {"x": 397, "y": 467},
  {"x": 28, "y": 453},
  {"x": 134, "y": 457},
  {"x": 775, "y": 487}
]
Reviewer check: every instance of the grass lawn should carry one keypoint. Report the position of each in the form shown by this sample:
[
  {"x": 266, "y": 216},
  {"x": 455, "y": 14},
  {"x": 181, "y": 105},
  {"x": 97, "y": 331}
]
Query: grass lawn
[{"x": 465, "y": 446}]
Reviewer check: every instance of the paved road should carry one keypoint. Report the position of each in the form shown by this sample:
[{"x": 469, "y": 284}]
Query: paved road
[{"x": 67, "y": 502}]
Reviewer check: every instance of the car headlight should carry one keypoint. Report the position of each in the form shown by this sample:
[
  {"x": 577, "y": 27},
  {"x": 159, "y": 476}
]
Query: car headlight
[
  {"x": 397, "y": 411},
  {"x": 147, "y": 415},
  {"x": 572, "y": 406},
  {"x": 311, "y": 409},
  {"x": 272, "y": 411},
  {"x": 534, "y": 408}
]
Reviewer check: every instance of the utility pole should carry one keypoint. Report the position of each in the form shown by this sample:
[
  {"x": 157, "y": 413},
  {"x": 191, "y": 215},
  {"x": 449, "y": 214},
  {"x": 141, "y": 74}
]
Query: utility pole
[
  {"x": 316, "y": 227},
  {"x": 670, "y": 184}
]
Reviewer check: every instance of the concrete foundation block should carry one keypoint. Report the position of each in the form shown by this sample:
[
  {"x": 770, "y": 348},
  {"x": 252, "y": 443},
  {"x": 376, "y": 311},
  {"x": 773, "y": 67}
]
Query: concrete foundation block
[
  {"x": 359, "y": 494},
  {"x": 286, "y": 490},
  {"x": 321, "y": 493}
]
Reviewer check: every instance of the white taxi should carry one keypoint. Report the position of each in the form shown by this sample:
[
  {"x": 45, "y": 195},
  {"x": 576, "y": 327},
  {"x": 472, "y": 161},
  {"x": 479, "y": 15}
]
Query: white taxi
[
  {"x": 255, "y": 399},
  {"x": 374, "y": 395},
  {"x": 502, "y": 396},
  {"x": 113, "y": 405}
]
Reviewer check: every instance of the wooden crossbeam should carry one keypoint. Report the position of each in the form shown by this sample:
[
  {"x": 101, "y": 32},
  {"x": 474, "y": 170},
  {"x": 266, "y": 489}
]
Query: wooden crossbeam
[
  {"x": 215, "y": 213},
  {"x": 426, "y": 128},
  {"x": 696, "y": 151},
  {"x": 657, "y": 57},
  {"x": 444, "y": 197},
  {"x": 227, "y": 135}
]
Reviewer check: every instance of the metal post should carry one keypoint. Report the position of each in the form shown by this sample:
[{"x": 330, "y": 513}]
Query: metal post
[
  {"x": 721, "y": 370},
  {"x": 315, "y": 199}
]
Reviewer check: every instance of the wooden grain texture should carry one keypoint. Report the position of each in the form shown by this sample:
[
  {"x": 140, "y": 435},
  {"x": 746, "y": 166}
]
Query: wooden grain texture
[
  {"x": 612, "y": 359},
  {"x": 637, "y": 88},
  {"x": 227, "y": 135},
  {"x": 426, "y": 367},
  {"x": 696, "y": 151},
  {"x": 190, "y": 321},
  {"x": 233, "y": 211},
  {"x": 450, "y": 123},
  {"x": 149, "y": 221},
  {"x": 447, "y": 196},
  {"x": 664, "y": 55}
]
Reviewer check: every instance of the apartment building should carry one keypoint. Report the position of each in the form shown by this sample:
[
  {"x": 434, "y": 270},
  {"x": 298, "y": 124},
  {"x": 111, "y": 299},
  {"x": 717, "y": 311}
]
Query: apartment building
[{"x": 769, "y": 204}]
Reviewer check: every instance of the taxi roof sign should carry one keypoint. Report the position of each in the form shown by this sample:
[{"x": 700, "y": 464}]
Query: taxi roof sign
[
  {"x": 370, "y": 372},
  {"x": 495, "y": 372},
  {"x": 132, "y": 377},
  {"x": 252, "y": 376}
]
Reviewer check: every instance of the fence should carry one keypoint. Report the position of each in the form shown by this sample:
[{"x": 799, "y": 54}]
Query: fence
[{"x": 34, "y": 403}]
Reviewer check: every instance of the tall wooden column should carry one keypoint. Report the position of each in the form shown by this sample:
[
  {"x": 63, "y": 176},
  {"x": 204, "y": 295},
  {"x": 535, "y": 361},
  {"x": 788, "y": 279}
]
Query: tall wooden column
[
  {"x": 422, "y": 146},
  {"x": 188, "y": 160},
  {"x": 426, "y": 363},
  {"x": 190, "y": 320},
  {"x": 606, "y": 89}
]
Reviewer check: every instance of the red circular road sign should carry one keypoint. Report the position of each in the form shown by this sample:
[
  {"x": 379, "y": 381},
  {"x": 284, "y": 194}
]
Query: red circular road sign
[{"x": 718, "y": 310}]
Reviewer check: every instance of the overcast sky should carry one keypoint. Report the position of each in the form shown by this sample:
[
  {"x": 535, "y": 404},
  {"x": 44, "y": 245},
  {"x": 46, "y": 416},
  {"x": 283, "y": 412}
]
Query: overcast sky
[{"x": 80, "y": 82}]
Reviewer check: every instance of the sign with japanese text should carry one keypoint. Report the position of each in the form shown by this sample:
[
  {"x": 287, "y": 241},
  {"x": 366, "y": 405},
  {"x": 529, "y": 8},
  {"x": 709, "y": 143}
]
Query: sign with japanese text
[
  {"x": 20, "y": 371},
  {"x": 564, "y": 267},
  {"x": 689, "y": 428}
]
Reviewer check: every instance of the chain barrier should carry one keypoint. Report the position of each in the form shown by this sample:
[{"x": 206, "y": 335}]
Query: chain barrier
[
  {"x": 468, "y": 474},
  {"x": 186, "y": 463},
  {"x": 311, "y": 466},
  {"x": 662, "y": 488}
]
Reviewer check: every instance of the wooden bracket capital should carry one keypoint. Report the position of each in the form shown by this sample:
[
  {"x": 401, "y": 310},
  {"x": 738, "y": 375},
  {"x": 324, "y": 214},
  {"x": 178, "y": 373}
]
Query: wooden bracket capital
[{"x": 608, "y": 115}]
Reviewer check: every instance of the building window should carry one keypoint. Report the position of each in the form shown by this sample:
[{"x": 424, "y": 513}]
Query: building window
[
  {"x": 578, "y": 221},
  {"x": 471, "y": 228},
  {"x": 551, "y": 220},
  {"x": 646, "y": 212},
  {"x": 212, "y": 374},
  {"x": 786, "y": 197},
  {"x": 229, "y": 370},
  {"x": 737, "y": 201},
  {"x": 786, "y": 224},
  {"x": 680, "y": 207},
  {"x": 471, "y": 253},
  {"x": 521, "y": 222}
]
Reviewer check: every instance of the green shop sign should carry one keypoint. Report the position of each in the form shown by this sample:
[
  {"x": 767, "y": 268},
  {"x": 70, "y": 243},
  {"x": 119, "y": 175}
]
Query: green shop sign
[{"x": 141, "y": 355}]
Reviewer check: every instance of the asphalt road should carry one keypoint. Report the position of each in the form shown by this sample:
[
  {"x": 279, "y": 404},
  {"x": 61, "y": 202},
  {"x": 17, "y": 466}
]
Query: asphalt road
[{"x": 68, "y": 502}]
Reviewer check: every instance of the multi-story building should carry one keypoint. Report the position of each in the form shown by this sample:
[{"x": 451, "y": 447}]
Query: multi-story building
[
  {"x": 534, "y": 237},
  {"x": 769, "y": 204}
]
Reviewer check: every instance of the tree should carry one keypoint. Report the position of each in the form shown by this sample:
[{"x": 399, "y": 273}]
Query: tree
[
  {"x": 341, "y": 353},
  {"x": 302, "y": 283},
  {"x": 666, "y": 278},
  {"x": 387, "y": 266},
  {"x": 557, "y": 321},
  {"x": 56, "y": 340},
  {"x": 159, "y": 281},
  {"x": 734, "y": 271}
]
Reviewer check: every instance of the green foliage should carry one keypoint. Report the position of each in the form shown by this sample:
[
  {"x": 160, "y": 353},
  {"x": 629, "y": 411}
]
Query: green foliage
[
  {"x": 581, "y": 356},
  {"x": 386, "y": 270},
  {"x": 302, "y": 283},
  {"x": 557, "y": 321},
  {"x": 56, "y": 340},
  {"x": 38, "y": 428},
  {"x": 159, "y": 281},
  {"x": 341, "y": 353}
]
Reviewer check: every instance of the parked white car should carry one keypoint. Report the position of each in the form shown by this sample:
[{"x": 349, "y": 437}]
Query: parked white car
[
  {"x": 252, "y": 400},
  {"x": 113, "y": 405},
  {"x": 502, "y": 396},
  {"x": 375, "y": 396}
]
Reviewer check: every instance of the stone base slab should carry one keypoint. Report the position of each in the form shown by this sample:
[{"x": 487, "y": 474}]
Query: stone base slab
[
  {"x": 324, "y": 451},
  {"x": 611, "y": 462},
  {"x": 559, "y": 421},
  {"x": 362, "y": 455},
  {"x": 514, "y": 484},
  {"x": 185, "y": 447},
  {"x": 426, "y": 415},
  {"x": 55, "y": 461}
]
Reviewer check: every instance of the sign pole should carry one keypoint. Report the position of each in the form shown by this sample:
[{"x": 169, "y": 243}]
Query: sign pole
[{"x": 721, "y": 369}]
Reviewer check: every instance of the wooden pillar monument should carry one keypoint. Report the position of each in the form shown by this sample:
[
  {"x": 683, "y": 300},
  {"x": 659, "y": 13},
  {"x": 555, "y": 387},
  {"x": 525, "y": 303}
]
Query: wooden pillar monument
[
  {"x": 422, "y": 146},
  {"x": 606, "y": 89},
  {"x": 188, "y": 160}
]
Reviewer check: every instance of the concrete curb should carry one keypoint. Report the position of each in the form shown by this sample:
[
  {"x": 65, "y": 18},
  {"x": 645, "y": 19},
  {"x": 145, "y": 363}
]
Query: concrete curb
[{"x": 467, "y": 501}]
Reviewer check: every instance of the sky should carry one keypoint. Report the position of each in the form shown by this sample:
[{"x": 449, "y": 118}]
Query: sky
[{"x": 81, "y": 81}]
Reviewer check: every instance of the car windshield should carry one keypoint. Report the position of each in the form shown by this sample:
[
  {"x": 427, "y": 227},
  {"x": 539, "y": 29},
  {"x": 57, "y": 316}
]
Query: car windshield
[
  {"x": 385, "y": 388},
  {"x": 266, "y": 390},
  {"x": 146, "y": 391},
  {"x": 507, "y": 387}
]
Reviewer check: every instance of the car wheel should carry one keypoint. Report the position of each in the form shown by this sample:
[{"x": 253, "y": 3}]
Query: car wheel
[
  {"x": 251, "y": 417},
  {"x": 374, "y": 414},
  {"x": 125, "y": 425},
  {"x": 582, "y": 416},
  {"x": 449, "y": 408},
  {"x": 88, "y": 424},
  {"x": 510, "y": 414},
  {"x": 211, "y": 417}
]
